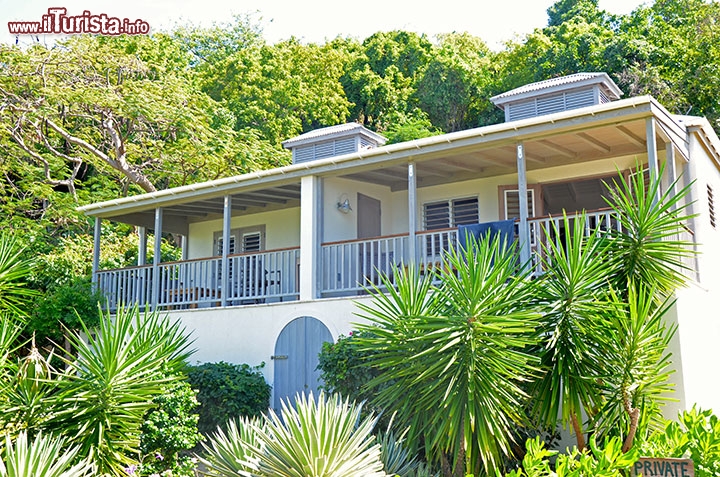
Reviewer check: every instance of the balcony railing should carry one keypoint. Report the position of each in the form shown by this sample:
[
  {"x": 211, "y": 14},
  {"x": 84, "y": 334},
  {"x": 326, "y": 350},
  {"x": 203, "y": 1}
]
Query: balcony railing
[
  {"x": 252, "y": 278},
  {"x": 352, "y": 266},
  {"x": 346, "y": 268}
]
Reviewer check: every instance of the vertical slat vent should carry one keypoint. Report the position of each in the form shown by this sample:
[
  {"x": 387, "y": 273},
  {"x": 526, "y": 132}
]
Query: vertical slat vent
[{"x": 711, "y": 206}]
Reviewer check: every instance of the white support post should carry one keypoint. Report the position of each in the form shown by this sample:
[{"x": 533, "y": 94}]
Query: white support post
[
  {"x": 319, "y": 232},
  {"x": 309, "y": 246},
  {"x": 142, "y": 246},
  {"x": 183, "y": 247},
  {"x": 523, "y": 229},
  {"x": 412, "y": 213},
  {"x": 225, "y": 267},
  {"x": 96, "y": 252},
  {"x": 652, "y": 152},
  {"x": 671, "y": 167},
  {"x": 156, "y": 258}
]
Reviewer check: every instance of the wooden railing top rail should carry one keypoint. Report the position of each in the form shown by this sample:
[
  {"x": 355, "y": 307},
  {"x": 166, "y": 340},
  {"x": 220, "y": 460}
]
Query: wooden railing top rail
[
  {"x": 382, "y": 237},
  {"x": 201, "y": 259},
  {"x": 559, "y": 216}
]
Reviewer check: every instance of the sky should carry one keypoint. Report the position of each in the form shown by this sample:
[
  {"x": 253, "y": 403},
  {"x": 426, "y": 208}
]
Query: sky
[{"x": 315, "y": 21}]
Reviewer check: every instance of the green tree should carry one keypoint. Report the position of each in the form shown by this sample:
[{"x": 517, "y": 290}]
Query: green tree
[
  {"x": 381, "y": 81},
  {"x": 451, "y": 87}
]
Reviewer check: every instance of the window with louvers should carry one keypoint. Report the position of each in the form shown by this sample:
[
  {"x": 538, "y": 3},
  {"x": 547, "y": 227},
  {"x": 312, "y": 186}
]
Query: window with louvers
[
  {"x": 451, "y": 213},
  {"x": 512, "y": 203},
  {"x": 251, "y": 242},
  {"x": 325, "y": 149}
]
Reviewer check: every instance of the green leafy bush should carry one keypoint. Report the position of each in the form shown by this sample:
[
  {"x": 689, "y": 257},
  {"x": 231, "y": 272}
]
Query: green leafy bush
[
  {"x": 169, "y": 430},
  {"x": 226, "y": 391},
  {"x": 606, "y": 461},
  {"x": 695, "y": 435},
  {"x": 62, "y": 307},
  {"x": 343, "y": 369}
]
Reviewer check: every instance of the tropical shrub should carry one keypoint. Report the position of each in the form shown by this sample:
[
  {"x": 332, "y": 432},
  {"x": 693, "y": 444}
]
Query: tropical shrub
[
  {"x": 228, "y": 451},
  {"x": 606, "y": 461},
  {"x": 61, "y": 308},
  {"x": 695, "y": 435},
  {"x": 226, "y": 391},
  {"x": 100, "y": 400},
  {"x": 169, "y": 430},
  {"x": 344, "y": 369}
]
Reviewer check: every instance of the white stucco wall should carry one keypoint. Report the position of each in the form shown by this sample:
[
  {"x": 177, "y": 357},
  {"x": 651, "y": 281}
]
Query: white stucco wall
[
  {"x": 247, "y": 334},
  {"x": 695, "y": 349}
]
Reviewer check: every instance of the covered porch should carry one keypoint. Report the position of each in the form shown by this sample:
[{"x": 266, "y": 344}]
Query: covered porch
[{"x": 330, "y": 228}]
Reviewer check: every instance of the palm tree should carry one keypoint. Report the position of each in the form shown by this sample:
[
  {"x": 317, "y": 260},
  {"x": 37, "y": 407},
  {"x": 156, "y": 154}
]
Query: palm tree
[{"x": 603, "y": 296}]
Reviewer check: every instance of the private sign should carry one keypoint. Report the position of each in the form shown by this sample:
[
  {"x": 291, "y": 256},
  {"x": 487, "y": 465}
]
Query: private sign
[{"x": 650, "y": 467}]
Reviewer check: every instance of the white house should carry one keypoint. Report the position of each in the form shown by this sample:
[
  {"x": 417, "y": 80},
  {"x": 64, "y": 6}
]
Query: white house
[{"x": 274, "y": 261}]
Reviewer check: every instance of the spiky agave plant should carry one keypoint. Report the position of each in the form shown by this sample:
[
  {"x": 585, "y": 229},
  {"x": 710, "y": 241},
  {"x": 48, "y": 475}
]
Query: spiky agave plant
[
  {"x": 227, "y": 451},
  {"x": 320, "y": 437},
  {"x": 44, "y": 456}
]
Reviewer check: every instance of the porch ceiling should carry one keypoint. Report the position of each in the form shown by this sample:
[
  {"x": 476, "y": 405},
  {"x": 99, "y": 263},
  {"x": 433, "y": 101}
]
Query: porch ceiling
[
  {"x": 177, "y": 217},
  {"x": 582, "y": 145}
]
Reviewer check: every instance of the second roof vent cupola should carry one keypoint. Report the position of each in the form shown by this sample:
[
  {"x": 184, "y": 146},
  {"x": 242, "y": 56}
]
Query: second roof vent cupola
[
  {"x": 557, "y": 94},
  {"x": 332, "y": 141}
]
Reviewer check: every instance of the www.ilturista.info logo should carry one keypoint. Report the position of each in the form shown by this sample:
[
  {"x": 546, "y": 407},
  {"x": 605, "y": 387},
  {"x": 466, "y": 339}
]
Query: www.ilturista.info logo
[{"x": 58, "y": 22}]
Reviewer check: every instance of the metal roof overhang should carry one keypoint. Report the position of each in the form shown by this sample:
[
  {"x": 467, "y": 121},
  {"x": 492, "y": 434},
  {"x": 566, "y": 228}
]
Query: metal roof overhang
[{"x": 610, "y": 130}]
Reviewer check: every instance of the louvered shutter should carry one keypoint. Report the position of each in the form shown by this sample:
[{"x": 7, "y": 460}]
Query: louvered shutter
[{"x": 512, "y": 203}]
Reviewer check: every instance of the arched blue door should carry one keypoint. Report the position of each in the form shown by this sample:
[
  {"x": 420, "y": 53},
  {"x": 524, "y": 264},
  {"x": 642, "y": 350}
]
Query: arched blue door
[{"x": 296, "y": 358}]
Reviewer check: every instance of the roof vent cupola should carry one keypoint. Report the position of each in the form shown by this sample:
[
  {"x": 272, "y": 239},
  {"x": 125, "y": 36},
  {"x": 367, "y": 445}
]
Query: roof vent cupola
[
  {"x": 332, "y": 141},
  {"x": 557, "y": 94}
]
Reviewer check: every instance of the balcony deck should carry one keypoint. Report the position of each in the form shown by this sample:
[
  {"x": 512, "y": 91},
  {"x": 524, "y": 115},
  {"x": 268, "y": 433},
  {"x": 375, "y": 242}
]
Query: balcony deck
[{"x": 346, "y": 268}]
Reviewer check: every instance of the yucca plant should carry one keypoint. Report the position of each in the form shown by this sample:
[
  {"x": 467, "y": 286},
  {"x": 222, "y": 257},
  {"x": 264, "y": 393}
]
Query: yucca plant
[
  {"x": 457, "y": 354},
  {"x": 226, "y": 453},
  {"x": 650, "y": 248},
  {"x": 109, "y": 386},
  {"x": 573, "y": 299},
  {"x": 318, "y": 437},
  {"x": 44, "y": 456},
  {"x": 14, "y": 271}
]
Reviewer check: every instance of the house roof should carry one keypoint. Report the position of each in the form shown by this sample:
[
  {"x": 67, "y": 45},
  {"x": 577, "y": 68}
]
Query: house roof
[
  {"x": 558, "y": 84},
  {"x": 333, "y": 132},
  {"x": 615, "y": 129}
]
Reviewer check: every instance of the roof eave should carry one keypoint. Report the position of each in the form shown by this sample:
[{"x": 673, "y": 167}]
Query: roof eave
[{"x": 406, "y": 151}]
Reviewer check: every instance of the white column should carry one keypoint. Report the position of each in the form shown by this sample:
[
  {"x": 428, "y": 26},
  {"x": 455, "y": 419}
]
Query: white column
[
  {"x": 225, "y": 285},
  {"x": 156, "y": 258},
  {"x": 309, "y": 238},
  {"x": 523, "y": 229},
  {"x": 96, "y": 252},
  {"x": 183, "y": 247},
  {"x": 652, "y": 152},
  {"x": 142, "y": 246},
  {"x": 412, "y": 213},
  {"x": 670, "y": 167}
]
